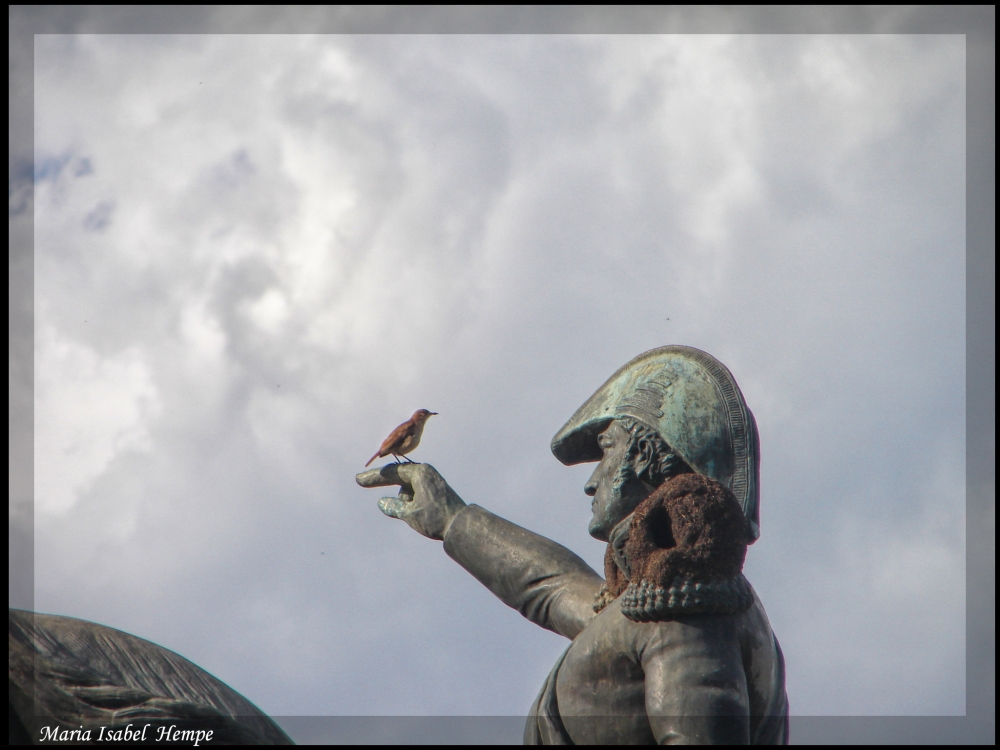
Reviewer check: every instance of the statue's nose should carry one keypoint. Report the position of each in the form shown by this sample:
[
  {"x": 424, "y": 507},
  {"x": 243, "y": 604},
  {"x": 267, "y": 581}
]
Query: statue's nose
[{"x": 590, "y": 488}]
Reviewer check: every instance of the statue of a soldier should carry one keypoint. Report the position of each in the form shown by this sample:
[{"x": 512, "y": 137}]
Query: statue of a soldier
[{"x": 672, "y": 645}]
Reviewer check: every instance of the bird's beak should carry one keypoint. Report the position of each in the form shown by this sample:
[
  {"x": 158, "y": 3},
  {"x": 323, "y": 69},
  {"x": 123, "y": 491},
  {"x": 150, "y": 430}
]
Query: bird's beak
[{"x": 433, "y": 413}]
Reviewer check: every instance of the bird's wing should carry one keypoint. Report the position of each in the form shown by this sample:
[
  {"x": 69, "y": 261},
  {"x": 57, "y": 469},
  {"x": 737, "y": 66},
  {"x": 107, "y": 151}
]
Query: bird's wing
[{"x": 396, "y": 437}]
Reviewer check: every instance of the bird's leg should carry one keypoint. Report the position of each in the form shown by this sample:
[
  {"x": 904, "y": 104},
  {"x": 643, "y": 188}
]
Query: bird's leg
[
  {"x": 409, "y": 460},
  {"x": 396, "y": 457}
]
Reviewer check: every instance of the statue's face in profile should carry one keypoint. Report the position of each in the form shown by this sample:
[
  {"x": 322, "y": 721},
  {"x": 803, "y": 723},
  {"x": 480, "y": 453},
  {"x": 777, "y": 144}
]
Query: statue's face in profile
[{"x": 616, "y": 489}]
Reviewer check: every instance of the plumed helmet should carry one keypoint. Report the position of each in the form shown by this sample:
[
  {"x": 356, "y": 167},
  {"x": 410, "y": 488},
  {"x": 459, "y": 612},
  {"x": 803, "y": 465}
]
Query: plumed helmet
[{"x": 691, "y": 399}]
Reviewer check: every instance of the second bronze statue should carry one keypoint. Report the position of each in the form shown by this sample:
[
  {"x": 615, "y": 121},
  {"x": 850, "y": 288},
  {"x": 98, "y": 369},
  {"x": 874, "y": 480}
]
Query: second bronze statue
[{"x": 404, "y": 438}]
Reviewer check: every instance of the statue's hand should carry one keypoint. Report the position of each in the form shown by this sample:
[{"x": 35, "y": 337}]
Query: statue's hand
[{"x": 425, "y": 500}]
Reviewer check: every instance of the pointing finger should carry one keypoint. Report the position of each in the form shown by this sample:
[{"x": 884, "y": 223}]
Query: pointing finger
[{"x": 382, "y": 477}]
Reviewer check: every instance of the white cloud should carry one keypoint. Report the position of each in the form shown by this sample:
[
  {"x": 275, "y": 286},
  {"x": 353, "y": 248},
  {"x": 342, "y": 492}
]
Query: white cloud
[
  {"x": 89, "y": 410},
  {"x": 306, "y": 238}
]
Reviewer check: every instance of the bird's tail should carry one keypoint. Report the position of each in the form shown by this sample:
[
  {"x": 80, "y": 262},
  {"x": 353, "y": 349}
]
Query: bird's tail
[{"x": 371, "y": 459}]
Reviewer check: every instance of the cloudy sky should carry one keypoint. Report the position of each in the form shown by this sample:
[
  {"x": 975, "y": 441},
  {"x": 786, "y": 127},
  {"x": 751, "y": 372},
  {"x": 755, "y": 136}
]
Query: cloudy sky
[{"x": 255, "y": 255}]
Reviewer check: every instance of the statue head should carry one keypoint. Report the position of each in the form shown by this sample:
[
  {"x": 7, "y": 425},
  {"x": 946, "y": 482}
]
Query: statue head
[
  {"x": 636, "y": 461},
  {"x": 669, "y": 411}
]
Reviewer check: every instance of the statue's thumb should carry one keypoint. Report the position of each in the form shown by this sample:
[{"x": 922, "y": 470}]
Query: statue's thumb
[{"x": 393, "y": 507}]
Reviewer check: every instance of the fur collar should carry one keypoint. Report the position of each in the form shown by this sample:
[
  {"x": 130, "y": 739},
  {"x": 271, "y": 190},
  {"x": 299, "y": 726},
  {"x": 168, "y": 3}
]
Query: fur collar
[{"x": 680, "y": 552}]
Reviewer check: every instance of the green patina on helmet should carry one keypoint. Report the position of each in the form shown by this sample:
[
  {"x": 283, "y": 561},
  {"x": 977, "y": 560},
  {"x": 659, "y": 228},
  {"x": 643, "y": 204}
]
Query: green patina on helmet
[{"x": 689, "y": 398}]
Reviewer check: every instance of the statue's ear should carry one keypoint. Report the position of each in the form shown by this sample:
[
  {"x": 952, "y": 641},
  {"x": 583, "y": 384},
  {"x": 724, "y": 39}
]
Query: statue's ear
[{"x": 644, "y": 458}]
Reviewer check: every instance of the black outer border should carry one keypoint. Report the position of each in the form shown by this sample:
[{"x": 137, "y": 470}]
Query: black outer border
[{"x": 977, "y": 23}]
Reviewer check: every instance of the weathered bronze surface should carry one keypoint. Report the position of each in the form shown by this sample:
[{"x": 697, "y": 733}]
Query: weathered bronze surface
[
  {"x": 692, "y": 400},
  {"x": 673, "y": 645},
  {"x": 70, "y": 675}
]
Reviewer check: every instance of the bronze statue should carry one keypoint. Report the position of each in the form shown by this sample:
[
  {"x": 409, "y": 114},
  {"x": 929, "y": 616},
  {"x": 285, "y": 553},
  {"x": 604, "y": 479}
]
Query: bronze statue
[
  {"x": 673, "y": 644},
  {"x": 73, "y": 681}
]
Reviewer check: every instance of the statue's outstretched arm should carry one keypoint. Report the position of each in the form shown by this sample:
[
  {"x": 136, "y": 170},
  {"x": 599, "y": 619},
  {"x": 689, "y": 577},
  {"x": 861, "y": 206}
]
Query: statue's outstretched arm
[{"x": 542, "y": 580}]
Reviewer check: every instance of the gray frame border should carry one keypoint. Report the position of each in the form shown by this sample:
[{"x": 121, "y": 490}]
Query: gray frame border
[{"x": 977, "y": 23}]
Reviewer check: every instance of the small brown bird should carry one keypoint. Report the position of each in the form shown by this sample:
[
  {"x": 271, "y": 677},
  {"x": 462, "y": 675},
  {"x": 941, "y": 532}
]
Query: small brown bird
[{"x": 404, "y": 438}]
